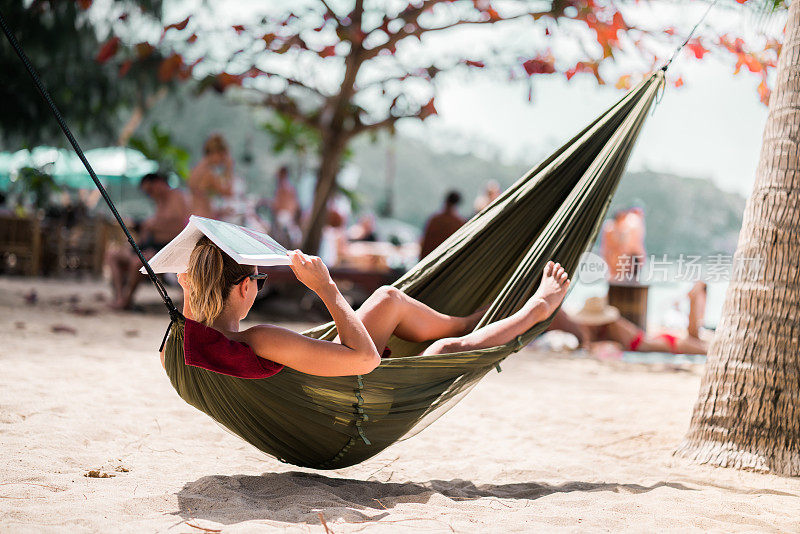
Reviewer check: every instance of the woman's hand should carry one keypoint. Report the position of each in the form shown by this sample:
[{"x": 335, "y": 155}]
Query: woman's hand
[{"x": 310, "y": 271}]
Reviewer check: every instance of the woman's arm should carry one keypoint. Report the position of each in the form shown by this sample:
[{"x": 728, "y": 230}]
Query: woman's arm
[{"x": 356, "y": 354}]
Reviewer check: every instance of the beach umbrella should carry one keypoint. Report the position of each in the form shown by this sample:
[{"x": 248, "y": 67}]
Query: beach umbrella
[{"x": 111, "y": 164}]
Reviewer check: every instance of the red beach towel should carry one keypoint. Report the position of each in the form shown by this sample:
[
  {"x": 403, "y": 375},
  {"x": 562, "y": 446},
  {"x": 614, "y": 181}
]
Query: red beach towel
[{"x": 207, "y": 348}]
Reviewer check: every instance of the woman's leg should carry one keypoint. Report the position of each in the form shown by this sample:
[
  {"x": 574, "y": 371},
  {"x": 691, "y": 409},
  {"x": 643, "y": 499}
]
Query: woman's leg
[
  {"x": 389, "y": 312},
  {"x": 697, "y": 309},
  {"x": 539, "y": 307}
]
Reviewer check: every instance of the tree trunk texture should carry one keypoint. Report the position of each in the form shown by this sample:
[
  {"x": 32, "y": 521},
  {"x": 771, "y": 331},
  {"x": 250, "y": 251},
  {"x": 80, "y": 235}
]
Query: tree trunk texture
[
  {"x": 330, "y": 162},
  {"x": 747, "y": 414}
]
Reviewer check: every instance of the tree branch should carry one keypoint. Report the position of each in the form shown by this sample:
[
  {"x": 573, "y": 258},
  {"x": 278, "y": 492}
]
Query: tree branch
[
  {"x": 409, "y": 30},
  {"x": 420, "y": 113},
  {"x": 294, "y": 82},
  {"x": 282, "y": 103},
  {"x": 330, "y": 10}
]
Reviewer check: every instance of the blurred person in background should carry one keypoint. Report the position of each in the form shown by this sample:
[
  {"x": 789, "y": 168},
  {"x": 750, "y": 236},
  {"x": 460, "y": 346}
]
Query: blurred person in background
[
  {"x": 598, "y": 325},
  {"x": 622, "y": 244},
  {"x": 491, "y": 192},
  {"x": 612, "y": 244},
  {"x": 633, "y": 230},
  {"x": 285, "y": 210},
  {"x": 442, "y": 225},
  {"x": 213, "y": 176},
  {"x": 170, "y": 217},
  {"x": 333, "y": 243},
  {"x": 364, "y": 229}
]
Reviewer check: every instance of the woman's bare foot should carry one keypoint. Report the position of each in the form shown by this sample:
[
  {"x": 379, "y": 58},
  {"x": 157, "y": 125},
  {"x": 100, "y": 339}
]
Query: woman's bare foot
[{"x": 553, "y": 288}]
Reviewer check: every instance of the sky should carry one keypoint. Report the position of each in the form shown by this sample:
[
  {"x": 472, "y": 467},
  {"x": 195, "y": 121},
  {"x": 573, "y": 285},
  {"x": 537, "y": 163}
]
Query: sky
[{"x": 709, "y": 128}]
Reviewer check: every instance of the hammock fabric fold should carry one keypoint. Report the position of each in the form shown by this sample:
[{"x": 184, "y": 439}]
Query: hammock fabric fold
[{"x": 553, "y": 212}]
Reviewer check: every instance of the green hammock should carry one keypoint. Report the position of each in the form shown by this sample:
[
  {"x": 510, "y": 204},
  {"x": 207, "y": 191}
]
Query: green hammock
[{"x": 553, "y": 212}]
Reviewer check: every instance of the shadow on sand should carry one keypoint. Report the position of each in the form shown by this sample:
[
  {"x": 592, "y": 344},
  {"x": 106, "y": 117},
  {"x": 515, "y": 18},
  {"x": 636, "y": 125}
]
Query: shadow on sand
[{"x": 297, "y": 497}]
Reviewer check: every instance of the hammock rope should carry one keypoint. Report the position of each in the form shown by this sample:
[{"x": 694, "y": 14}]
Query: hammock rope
[
  {"x": 162, "y": 291},
  {"x": 688, "y": 37}
]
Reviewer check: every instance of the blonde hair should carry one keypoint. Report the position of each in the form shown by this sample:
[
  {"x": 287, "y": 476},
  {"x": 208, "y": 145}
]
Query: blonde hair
[
  {"x": 214, "y": 144},
  {"x": 212, "y": 274}
]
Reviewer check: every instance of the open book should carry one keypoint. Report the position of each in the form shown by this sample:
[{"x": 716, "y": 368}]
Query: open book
[{"x": 246, "y": 246}]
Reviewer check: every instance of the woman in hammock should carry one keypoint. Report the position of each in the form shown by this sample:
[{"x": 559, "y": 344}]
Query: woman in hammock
[{"x": 218, "y": 292}]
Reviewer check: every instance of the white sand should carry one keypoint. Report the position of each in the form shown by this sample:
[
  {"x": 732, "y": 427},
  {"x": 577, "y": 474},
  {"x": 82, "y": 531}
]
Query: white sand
[{"x": 551, "y": 443}]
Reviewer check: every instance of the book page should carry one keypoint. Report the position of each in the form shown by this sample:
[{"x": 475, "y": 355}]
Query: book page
[{"x": 245, "y": 246}]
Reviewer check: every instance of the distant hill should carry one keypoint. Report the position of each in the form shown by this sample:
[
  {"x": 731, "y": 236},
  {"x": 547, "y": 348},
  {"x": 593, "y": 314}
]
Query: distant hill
[{"x": 684, "y": 215}]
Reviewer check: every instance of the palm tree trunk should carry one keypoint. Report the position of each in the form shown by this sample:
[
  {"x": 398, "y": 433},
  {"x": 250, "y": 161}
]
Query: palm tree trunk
[{"x": 747, "y": 414}]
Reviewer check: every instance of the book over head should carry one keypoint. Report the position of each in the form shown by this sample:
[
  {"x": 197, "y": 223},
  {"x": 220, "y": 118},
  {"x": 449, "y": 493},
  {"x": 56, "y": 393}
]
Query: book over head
[{"x": 245, "y": 246}]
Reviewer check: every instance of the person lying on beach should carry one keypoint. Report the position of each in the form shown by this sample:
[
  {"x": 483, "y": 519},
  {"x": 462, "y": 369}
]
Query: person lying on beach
[
  {"x": 218, "y": 292},
  {"x": 599, "y": 323}
]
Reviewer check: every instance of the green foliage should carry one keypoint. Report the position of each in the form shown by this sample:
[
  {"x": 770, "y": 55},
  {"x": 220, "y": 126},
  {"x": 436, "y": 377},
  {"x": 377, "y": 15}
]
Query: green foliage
[
  {"x": 289, "y": 135},
  {"x": 159, "y": 147},
  {"x": 33, "y": 187},
  {"x": 62, "y": 42}
]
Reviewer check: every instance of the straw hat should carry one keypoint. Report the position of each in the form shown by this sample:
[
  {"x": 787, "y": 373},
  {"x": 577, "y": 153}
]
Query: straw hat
[{"x": 596, "y": 312}]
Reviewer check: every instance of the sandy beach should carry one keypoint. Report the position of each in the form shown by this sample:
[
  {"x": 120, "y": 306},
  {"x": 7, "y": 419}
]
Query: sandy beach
[{"x": 94, "y": 439}]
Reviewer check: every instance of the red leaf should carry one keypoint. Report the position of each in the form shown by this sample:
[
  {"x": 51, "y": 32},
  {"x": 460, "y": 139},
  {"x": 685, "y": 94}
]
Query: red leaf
[
  {"x": 170, "y": 67},
  {"x": 178, "y": 25},
  {"x": 224, "y": 80},
  {"x": 125, "y": 67},
  {"x": 585, "y": 66},
  {"x": 539, "y": 65},
  {"x": 764, "y": 92},
  {"x": 253, "y": 72},
  {"x": 427, "y": 110},
  {"x": 328, "y": 51},
  {"x": 108, "y": 50},
  {"x": 678, "y": 82},
  {"x": 268, "y": 38},
  {"x": 144, "y": 50},
  {"x": 238, "y": 28},
  {"x": 192, "y": 38},
  {"x": 607, "y": 32},
  {"x": 698, "y": 49},
  {"x": 472, "y": 63},
  {"x": 85, "y": 4},
  {"x": 494, "y": 16},
  {"x": 750, "y": 61}
]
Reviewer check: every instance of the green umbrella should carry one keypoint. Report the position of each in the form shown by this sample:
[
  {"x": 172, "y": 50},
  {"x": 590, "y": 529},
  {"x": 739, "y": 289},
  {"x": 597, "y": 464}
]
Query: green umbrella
[{"x": 111, "y": 164}]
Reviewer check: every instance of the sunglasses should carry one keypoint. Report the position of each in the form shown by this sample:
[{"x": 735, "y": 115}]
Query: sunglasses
[{"x": 260, "y": 278}]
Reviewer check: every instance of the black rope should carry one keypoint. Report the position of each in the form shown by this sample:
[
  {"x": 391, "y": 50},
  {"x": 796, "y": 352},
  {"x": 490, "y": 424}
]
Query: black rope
[
  {"x": 686, "y": 41},
  {"x": 173, "y": 311}
]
